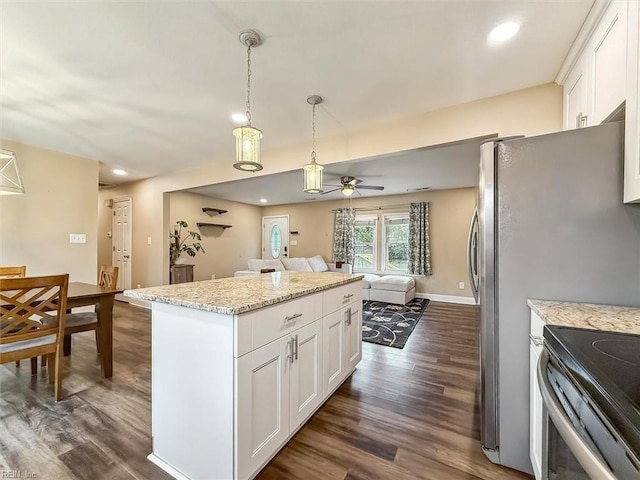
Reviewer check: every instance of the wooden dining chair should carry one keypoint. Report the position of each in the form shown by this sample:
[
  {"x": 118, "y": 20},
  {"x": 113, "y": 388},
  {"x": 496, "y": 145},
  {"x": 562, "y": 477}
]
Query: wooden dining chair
[
  {"x": 19, "y": 271},
  {"x": 32, "y": 317},
  {"x": 87, "y": 321}
]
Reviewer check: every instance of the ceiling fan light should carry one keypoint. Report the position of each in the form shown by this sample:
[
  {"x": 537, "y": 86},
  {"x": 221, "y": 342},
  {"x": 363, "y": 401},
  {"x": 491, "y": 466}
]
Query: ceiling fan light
[
  {"x": 247, "y": 148},
  {"x": 10, "y": 178},
  {"x": 313, "y": 177},
  {"x": 347, "y": 190}
]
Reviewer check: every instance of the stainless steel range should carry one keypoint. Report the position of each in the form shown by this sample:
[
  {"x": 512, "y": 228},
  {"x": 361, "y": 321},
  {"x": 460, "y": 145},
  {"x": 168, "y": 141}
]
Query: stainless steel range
[{"x": 590, "y": 383}]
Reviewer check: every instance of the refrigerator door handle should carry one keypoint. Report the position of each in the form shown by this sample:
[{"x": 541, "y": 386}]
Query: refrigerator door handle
[{"x": 472, "y": 255}]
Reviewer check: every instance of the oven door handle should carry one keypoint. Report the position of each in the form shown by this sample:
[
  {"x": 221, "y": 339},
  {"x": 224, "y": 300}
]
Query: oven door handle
[{"x": 591, "y": 462}]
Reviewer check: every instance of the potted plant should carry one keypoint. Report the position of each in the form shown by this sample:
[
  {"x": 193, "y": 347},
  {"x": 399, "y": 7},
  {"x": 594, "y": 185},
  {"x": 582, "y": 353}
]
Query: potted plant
[{"x": 178, "y": 242}]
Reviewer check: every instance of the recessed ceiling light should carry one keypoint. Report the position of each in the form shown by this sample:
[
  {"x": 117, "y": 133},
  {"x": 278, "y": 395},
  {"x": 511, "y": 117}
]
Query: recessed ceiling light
[
  {"x": 504, "y": 31},
  {"x": 239, "y": 118},
  {"x": 263, "y": 200},
  {"x": 119, "y": 171}
]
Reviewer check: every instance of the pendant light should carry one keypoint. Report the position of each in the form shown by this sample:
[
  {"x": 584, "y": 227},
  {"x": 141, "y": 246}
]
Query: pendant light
[
  {"x": 247, "y": 137},
  {"x": 313, "y": 170},
  {"x": 10, "y": 179}
]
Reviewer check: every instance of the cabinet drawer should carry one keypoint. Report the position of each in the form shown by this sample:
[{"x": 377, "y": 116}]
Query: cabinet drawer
[
  {"x": 262, "y": 326},
  {"x": 341, "y": 296}
]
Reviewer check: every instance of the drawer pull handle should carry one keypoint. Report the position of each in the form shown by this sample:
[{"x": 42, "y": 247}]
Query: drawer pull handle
[
  {"x": 292, "y": 317},
  {"x": 347, "y": 297}
]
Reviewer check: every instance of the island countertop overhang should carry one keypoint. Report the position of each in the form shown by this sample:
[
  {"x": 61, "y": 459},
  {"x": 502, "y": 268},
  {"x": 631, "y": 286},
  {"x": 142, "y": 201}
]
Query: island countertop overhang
[{"x": 235, "y": 295}]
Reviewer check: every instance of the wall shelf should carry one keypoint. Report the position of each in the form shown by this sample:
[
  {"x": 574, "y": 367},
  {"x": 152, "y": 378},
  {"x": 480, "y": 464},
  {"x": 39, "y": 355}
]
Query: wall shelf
[
  {"x": 213, "y": 211},
  {"x": 201, "y": 224}
]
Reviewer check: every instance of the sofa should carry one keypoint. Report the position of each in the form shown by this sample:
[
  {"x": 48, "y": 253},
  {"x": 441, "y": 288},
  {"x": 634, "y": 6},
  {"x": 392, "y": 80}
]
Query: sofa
[{"x": 298, "y": 264}]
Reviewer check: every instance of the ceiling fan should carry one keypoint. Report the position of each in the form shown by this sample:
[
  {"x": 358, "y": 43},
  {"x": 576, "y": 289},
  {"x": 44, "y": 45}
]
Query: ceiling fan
[{"x": 348, "y": 185}]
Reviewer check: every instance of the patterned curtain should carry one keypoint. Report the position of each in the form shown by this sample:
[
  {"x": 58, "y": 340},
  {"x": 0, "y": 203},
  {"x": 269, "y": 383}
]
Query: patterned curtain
[
  {"x": 419, "y": 253},
  {"x": 343, "y": 235}
]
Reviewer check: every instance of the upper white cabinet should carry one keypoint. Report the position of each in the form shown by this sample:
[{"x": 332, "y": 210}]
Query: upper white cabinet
[
  {"x": 576, "y": 112},
  {"x": 595, "y": 87},
  {"x": 632, "y": 111},
  {"x": 601, "y": 73}
]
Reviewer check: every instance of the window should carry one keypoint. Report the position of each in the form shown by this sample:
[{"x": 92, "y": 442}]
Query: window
[
  {"x": 395, "y": 243},
  {"x": 364, "y": 242}
]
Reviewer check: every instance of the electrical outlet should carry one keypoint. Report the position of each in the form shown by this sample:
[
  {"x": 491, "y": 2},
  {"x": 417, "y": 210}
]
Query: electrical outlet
[
  {"x": 148, "y": 240},
  {"x": 461, "y": 285},
  {"x": 293, "y": 242},
  {"x": 77, "y": 238}
]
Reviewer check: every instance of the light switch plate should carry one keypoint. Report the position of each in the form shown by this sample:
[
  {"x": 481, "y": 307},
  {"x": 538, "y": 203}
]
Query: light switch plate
[{"x": 77, "y": 238}]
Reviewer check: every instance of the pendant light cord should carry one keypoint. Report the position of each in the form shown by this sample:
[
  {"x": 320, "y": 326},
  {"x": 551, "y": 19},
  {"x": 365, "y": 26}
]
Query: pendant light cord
[
  {"x": 313, "y": 136},
  {"x": 249, "y": 85}
]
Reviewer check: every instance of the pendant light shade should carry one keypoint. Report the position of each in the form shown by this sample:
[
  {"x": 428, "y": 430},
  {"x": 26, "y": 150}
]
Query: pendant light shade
[
  {"x": 248, "y": 137},
  {"x": 347, "y": 190},
  {"x": 248, "y": 148},
  {"x": 10, "y": 179},
  {"x": 313, "y": 171}
]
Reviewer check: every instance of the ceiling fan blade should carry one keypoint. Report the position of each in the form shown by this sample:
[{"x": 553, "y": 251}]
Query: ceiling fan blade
[
  {"x": 370, "y": 187},
  {"x": 329, "y": 191}
]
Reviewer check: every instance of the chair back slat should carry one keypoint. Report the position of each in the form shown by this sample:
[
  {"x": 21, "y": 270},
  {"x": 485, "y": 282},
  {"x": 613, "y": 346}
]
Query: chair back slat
[
  {"x": 32, "y": 307},
  {"x": 13, "y": 272},
  {"x": 108, "y": 277}
]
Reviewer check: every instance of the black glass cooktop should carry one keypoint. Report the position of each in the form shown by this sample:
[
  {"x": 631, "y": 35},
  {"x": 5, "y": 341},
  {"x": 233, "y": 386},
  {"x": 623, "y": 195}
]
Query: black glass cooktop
[{"x": 607, "y": 366}]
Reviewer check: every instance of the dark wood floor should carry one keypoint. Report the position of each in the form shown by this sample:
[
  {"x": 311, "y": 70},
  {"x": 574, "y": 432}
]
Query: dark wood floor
[{"x": 404, "y": 414}]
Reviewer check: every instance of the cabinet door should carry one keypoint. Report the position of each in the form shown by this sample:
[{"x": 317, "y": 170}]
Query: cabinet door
[
  {"x": 333, "y": 350},
  {"x": 632, "y": 121},
  {"x": 575, "y": 98},
  {"x": 262, "y": 408},
  {"x": 306, "y": 373},
  {"x": 608, "y": 63},
  {"x": 536, "y": 412},
  {"x": 353, "y": 337}
]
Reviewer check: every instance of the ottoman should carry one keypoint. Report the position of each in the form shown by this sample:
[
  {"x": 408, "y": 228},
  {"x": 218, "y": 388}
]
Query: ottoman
[
  {"x": 366, "y": 284},
  {"x": 393, "y": 289}
]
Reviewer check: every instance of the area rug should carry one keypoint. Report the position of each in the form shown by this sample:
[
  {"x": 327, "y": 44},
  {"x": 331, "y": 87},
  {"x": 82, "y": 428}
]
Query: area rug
[{"x": 390, "y": 324}]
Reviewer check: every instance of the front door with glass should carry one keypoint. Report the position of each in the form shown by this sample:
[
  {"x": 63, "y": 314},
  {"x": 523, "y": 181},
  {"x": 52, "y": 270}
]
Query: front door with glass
[{"x": 275, "y": 237}]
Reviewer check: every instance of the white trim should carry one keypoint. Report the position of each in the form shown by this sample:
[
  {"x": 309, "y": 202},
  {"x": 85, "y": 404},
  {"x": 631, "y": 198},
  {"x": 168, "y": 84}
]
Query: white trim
[
  {"x": 580, "y": 42},
  {"x": 447, "y": 298},
  {"x": 288, "y": 239},
  {"x": 139, "y": 303},
  {"x": 166, "y": 467}
]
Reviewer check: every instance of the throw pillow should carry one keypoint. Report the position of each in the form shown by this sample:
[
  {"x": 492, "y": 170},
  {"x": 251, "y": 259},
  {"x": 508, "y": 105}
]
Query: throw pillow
[
  {"x": 298, "y": 264},
  {"x": 318, "y": 264}
]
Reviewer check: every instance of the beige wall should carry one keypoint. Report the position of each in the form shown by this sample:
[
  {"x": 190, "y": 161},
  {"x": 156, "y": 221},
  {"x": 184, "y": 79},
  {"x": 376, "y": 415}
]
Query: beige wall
[
  {"x": 226, "y": 250},
  {"x": 61, "y": 198},
  {"x": 532, "y": 111},
  {"x": 449, "y": 215}
]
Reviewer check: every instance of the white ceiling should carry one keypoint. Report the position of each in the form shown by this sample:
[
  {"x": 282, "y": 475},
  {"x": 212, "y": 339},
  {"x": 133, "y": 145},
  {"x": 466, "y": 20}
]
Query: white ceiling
[
  {"x": 454, "y": 165},
  {"x": 149, "y": 86}
]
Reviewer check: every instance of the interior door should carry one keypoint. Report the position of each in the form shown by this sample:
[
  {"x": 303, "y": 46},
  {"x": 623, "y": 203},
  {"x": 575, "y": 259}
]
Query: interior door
[
  {"x": 121, "y": 240},
  {"x": 275, "y": 237}
]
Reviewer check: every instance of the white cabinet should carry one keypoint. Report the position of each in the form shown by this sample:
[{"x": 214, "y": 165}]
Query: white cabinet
[
  {"x": 595, "y": 88},
  {"x": 632, "y": 122},
  {"x": 306, "y": 373},
  {"x": 607, "y": 63},
  {"x": 262, "y": 404},
  {"x": 279, "y": 386},
  {"x": 575, "y": 98},
  {"x": 342, "y": 344},
  {"x": 536, "y": 412}
]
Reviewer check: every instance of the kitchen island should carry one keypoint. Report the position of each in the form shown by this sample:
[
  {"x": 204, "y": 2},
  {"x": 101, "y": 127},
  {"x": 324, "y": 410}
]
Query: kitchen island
[{"x": 240, "y": 364}]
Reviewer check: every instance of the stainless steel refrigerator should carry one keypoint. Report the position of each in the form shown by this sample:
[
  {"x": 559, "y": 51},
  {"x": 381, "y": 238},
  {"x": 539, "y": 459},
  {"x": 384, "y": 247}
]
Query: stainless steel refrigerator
[{"x": 550, "y": 224}]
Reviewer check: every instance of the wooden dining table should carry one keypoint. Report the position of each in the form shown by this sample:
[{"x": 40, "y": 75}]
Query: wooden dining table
[{"x": 85, "y": 294}]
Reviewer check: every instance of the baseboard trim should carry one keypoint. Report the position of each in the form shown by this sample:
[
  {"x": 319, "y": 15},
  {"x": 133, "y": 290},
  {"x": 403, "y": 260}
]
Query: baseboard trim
[
  {"x": 448, "y": 298},
  {"x": 166, "y": 467}
]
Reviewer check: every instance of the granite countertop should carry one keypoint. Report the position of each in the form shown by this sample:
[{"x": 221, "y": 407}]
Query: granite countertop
[
  {"x": 234, "y": 295},
  {"x": 588, "y": 315}
]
